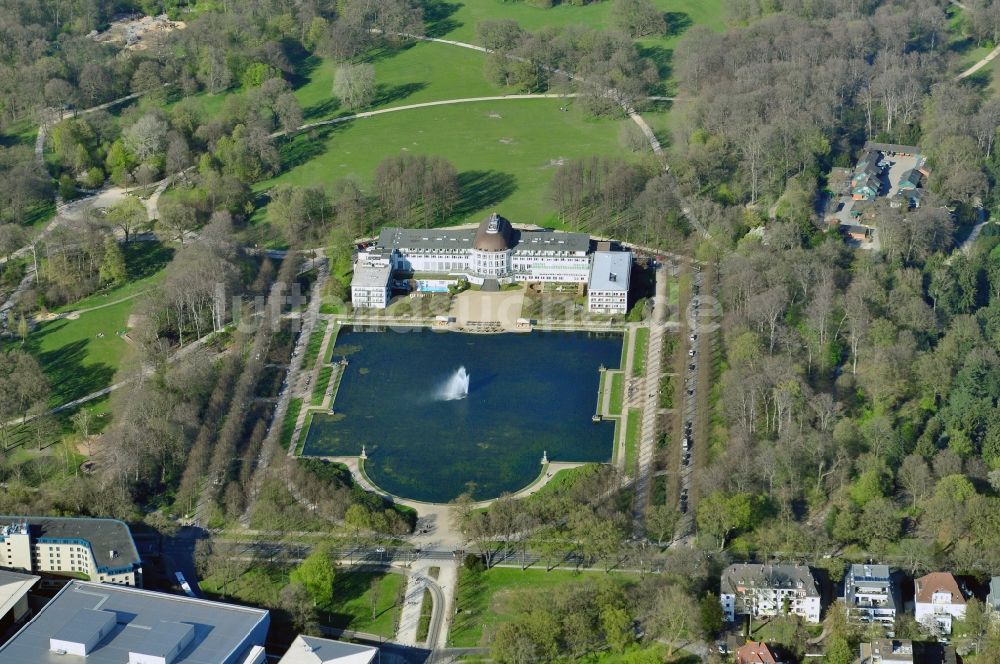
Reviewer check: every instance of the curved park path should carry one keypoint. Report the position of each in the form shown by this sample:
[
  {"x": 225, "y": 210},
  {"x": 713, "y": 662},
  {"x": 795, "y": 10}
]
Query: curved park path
[
  {"x": 985, "y": 60},
  {"x": 451, "y": 102}
]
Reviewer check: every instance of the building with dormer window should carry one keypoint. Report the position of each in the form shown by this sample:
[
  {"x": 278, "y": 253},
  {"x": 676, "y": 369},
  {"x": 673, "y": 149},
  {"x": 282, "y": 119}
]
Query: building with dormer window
[
  {"x": 494, "y": 251},
  {"x": 769, "y": 590},
  {"x": 938, "y": 601}
]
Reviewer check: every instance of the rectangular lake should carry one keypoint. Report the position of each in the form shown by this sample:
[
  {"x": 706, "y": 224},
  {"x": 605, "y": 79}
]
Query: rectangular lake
[{"x": 528, "y": 393}]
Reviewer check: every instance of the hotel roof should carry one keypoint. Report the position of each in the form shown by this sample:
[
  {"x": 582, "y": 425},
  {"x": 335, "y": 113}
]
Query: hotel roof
[
  {"x": 441, "y": 239},
  {"x": 313, "y": 650},
  {"x": 371, "y": 274},
  {"x": 13, "y": 587},
  {"x": 610, "y": 271},
  {"x": 183, "y": 630},
  {"x": 104, "y": 535}
]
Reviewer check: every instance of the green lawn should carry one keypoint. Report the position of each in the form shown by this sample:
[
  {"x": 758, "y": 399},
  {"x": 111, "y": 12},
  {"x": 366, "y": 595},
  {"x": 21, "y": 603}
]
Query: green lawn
[
  {"x": 313, "y": 345},
  {"x": 641, "y": 344},
  {"x": 461, "y": 24},
  {"x": 506, "y": 152},
  {"x": 416, "y": 73},
  {"x": 76, "y": 361},
  {"x": 782, "y": 629},
  {"x": 144, "y": 262},
  {"x": 351, "y": 606},
  {"x": 288, "y": 426},
  {"x": 322, "y": 381},
  {"x": 75, "y": 358},
  {"x": 426, "y": 613},
  {"x": 632, "y": 439},
  {"x": 617, "y": 387},
  {"x": 483, "y": 599},
  {"x": 258, "y": 586}
]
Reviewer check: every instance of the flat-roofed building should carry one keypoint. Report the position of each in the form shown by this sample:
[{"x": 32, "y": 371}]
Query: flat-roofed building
[
  {"x": 887, "y": 651},
  {"x": 370, "y": 283},
  {"x": 607, "y": 288},
  {"x": 14, "y": 589},
  {"x": 102, "y": 549},
  {"x": 107, "y": 624},
  {"x": 314, "y": 650},
  {"x": 871, "y": 595}
]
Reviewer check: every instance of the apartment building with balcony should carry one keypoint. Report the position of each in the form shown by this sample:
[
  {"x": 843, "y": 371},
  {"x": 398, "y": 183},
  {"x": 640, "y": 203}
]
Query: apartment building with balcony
[
  {"x": 769, "y": 590},
  {"x": 871, "y": 595}
]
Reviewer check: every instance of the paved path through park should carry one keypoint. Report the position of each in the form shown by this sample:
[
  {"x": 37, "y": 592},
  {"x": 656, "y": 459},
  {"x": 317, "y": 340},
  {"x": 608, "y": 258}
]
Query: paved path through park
[
  {"x": 650, "y": 395},
  {"x": 985, "y": 60}
]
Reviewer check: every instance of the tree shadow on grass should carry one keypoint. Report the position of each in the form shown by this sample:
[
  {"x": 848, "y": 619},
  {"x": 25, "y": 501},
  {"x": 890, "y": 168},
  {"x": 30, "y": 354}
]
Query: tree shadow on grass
[
  {"x": 677, "y": 23},
  {"x": 480, "y": 189},
  {"x": 64, "y": 367},
  {"x": 348, "y": 587},
  {"x": 303, "y": 62},
  {"x": 387, "y": 94},
  {"x": 323, "y": 109},
  {"x": 661, "y": 57},
  {"x": 981, "y": 79},
  {"x": 305, "y": 146},
  {"x": 437, "y": 15},
  {"x": 144, "y": 259}
]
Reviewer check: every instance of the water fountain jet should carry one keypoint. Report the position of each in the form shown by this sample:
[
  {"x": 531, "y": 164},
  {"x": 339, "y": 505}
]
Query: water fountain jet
[{"x": 457, "y": 387}]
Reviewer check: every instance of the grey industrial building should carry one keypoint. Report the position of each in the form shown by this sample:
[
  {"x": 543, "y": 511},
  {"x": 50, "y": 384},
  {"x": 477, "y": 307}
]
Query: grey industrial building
[{"x": 110, "y": 624}]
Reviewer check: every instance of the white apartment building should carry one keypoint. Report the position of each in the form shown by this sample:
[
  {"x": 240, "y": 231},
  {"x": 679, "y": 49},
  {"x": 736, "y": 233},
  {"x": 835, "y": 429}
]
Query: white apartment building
[
  {"x": 101, "y": 549},
  {"x": 938, "y": 601},
  {"x": 370, "y": 284},
  {"x": 769, "y": 590},
  {"x": 494, "y": 251},
  {"x": 607, "y": 289},
  {"x": 871, "y": 595}
]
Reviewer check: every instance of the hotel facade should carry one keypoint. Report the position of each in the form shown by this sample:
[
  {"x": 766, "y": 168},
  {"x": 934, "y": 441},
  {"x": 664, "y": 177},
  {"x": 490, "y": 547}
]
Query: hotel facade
[
  {"x": 494, "y": 251},
  {"x": 101, "y": 549}
]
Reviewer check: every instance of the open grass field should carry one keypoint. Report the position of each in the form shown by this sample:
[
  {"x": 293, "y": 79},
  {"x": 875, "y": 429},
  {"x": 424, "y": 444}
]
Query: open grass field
[
  {"x": 76, "y": 360},
  {"x": 506, "y": 152},
  {"x": 460, "y": 24},
  {"x": 288, "y": 426},
  {"x": 349, "y": 608},
  {"x": 81, "y": 355},
  {"x": 484, "y": 598},
  {"x": 415, "y": 73},
  {"x": 22, "y": 132},
  {"x": 322, "y": 382},
  {"x": 144, "y": 262},
  {"x": 314, "y": 345}
]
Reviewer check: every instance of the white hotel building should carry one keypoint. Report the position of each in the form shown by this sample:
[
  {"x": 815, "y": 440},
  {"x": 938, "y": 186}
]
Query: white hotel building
[
  {"x": 493, "y": 251},
  {"x": 101, "y": 549}
]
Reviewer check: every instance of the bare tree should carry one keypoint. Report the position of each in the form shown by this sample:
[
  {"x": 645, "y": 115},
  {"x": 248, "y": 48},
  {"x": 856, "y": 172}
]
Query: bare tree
[{"x": 354, "y": 85}]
